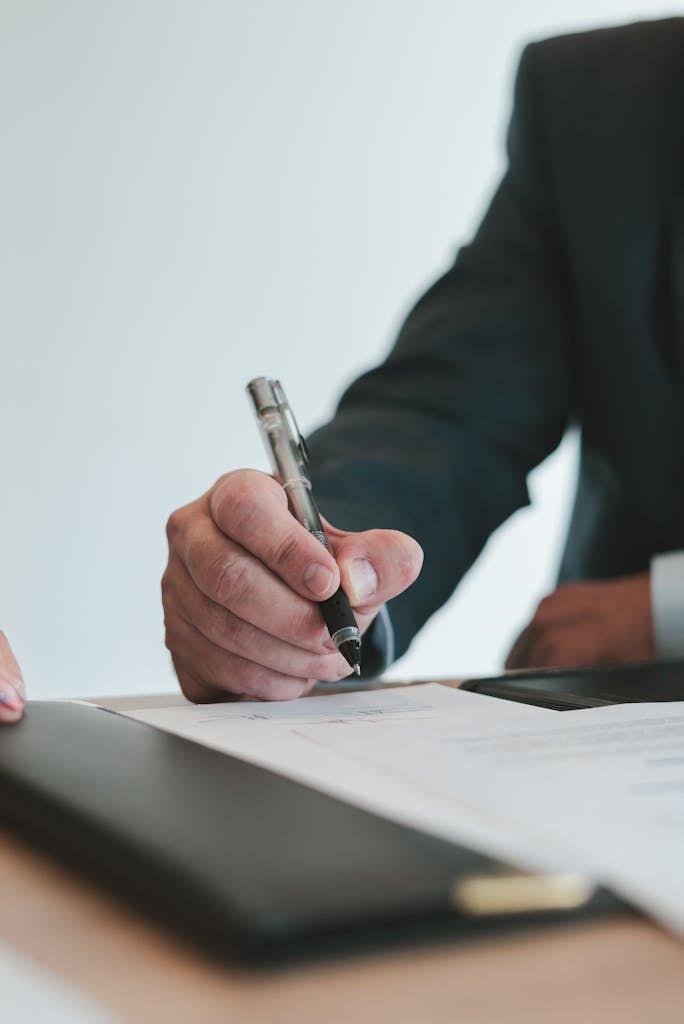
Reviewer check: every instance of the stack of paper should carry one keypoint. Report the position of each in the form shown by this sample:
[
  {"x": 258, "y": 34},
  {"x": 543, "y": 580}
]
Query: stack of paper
[
  {"x": 277, "y": 736},
  {"x": 598, "y": 791}
]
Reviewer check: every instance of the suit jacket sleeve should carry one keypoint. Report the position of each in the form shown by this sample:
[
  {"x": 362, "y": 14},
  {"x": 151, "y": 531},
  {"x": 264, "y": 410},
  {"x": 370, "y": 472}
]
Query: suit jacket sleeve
[{"x": 439, "y": 439}]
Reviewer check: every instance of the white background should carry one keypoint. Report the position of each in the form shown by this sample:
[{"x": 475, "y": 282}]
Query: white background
[{"x": 194, "y": 193}]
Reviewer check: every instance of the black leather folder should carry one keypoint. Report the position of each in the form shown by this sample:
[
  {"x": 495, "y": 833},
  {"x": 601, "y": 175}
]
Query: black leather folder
[
  {"x": 257, "y": 868},
  {"x": 572, "y": 689}
]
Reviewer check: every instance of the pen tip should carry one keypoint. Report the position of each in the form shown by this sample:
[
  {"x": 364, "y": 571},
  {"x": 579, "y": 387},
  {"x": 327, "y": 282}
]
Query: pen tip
[{"x": 350, "y": 650}]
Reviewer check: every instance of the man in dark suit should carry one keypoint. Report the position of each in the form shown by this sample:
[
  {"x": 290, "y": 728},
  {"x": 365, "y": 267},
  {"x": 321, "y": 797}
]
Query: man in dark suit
[{"x": 568, "y": 306}]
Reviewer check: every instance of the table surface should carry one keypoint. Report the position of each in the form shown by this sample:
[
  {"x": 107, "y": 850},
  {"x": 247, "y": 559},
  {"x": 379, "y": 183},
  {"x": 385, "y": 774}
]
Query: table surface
[{"x": 620, "y": 970}]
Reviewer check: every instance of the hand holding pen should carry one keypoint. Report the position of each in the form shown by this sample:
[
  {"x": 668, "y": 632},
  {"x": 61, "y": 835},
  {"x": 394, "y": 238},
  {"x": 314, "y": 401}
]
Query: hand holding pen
[
  {"x": 287, "y": 451},
  {"x": 242, "y": 588}
]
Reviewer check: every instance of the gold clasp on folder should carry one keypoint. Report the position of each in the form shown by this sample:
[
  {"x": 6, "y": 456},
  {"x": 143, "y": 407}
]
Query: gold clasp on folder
[{"x": 518, "y": 893}]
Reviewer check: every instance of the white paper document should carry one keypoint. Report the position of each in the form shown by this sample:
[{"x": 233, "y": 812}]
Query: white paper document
[
  {"x": 272, "y": 735},
  {"x": 606, "y": 784}
]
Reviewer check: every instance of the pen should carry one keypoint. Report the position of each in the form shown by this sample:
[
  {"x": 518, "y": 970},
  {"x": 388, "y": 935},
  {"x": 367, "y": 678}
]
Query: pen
[{"x": 288, "y": 454}]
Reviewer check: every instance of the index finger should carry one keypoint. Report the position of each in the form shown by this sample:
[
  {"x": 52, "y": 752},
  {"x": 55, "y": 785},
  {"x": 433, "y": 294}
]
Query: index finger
[{"x": 251, "y": 508}]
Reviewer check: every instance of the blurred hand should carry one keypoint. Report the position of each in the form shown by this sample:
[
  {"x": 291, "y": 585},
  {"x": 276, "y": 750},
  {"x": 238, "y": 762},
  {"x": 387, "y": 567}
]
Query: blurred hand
[
  {"x": 596, "y": 623},
  {"x": 241, "y": 584},
  {"x": 11, "y": 684}
]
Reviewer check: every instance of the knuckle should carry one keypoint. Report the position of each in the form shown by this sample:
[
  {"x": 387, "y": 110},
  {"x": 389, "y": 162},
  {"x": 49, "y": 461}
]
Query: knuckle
[
  {"x": 236, "y": 480},
  {"x": 241, "y": 496},
  {"x": 234, "y": 499},
  {"x": 171, "y": 633},
  {"x": 228, "y": 580},
  {"x": 227, "y": 498},
  {"x": 239, "y": 636},
  {"x": 285, "y": 549},
  {"x": 166, "y": 586},
  {"x": 175, "y": 526},
  {"x": 224, "y": 480}
]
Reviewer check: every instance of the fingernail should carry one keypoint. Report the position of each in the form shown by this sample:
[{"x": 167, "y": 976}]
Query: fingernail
[
  {"x": 10, "y": 697},
  {"x": 362, "y": 580},
  {"x": 318, "y": 578}
]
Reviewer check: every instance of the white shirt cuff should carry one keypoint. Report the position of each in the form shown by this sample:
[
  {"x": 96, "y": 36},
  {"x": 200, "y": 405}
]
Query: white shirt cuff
[{"x": 667, "y": 601}]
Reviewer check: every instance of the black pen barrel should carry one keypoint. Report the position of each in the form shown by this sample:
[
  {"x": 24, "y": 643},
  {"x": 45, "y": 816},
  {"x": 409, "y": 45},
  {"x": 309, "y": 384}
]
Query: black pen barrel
[{"x": 339, "y": 618}]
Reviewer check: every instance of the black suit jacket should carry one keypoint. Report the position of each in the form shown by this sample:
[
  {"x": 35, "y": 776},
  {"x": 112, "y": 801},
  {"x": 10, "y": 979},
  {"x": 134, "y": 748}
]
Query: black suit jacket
[{"x": 567, "y": 306}]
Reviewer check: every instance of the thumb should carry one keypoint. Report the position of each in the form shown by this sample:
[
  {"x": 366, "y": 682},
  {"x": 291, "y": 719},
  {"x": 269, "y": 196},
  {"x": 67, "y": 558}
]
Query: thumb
[{"x": 375, "y": 565}]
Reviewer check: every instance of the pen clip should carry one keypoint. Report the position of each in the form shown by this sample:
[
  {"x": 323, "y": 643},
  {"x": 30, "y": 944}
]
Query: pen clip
[{"x": 289, "y": 417}]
